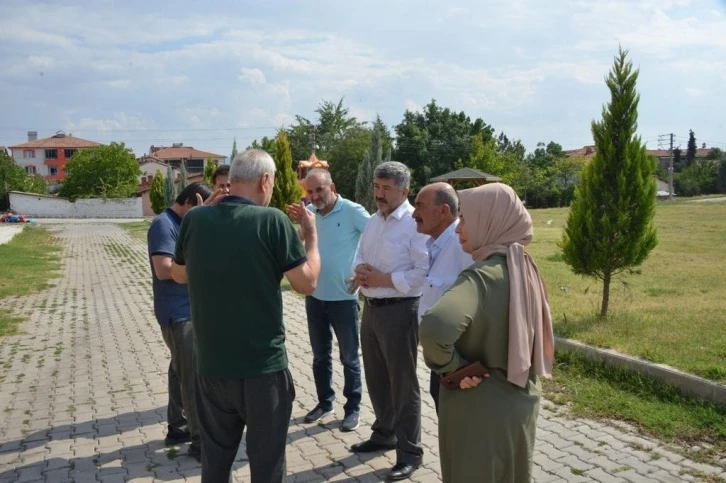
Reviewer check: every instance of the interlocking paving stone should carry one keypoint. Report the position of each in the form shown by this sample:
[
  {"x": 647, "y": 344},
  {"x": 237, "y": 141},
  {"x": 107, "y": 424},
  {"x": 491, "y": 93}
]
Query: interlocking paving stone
[{"x": 84, "y": 393}]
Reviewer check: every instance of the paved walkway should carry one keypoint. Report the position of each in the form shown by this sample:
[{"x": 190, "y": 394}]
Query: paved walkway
[{"x": 83, "y": 394}]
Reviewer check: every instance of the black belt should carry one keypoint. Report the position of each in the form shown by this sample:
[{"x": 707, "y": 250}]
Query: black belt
[{"x": 388, "y": 301}]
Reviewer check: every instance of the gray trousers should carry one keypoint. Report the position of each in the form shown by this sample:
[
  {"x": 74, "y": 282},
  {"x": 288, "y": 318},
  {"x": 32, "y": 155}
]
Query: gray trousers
[
  {"x": 389, "y": 340},
  {"x": 181, "y": 411},
  {"x": 264, "y": 405}
]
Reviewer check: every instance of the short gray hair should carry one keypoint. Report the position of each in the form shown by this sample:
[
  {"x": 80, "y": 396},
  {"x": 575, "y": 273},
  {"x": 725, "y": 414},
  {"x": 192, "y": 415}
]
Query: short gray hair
[
  {"x": 320, "y": 172},
  {"x": 250, "y": 165},
  {"x": 446, "y": 195},
  {"x": 398, "y": 172}
]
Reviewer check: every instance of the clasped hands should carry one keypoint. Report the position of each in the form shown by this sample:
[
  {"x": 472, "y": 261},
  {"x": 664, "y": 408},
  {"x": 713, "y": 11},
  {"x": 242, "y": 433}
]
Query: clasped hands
[{"x": 367, "y": 277}]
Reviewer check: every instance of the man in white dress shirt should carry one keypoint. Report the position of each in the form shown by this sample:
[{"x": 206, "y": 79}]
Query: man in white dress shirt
[
  {"x": 437, "y": 215},
  {"x": 391, "y": 268}
]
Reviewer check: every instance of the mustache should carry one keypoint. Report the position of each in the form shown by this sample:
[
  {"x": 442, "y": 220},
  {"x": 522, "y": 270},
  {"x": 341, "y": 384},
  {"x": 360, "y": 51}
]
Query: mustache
[{"x": 380, "y": 200}]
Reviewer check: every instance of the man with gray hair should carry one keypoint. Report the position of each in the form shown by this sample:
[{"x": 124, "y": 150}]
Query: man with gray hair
[
  {"x": 391, "y": 269},
  {"x": 234, "y": 255},
  {"x": 437, "y": 215},
  {"x": 339, "y": 223}
]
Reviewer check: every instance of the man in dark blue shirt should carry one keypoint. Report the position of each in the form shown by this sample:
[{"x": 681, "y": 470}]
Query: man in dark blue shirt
[{"x": 172, "y": 310}]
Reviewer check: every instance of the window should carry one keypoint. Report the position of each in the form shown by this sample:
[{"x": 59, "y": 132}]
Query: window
[
  {"x": 51, "y": 153},
  {"x": 30, "y": 169},
  {"x": 69, "y": 152},
  {"x": 29, "y": 153},
  {"x": 53, "y": 170}
]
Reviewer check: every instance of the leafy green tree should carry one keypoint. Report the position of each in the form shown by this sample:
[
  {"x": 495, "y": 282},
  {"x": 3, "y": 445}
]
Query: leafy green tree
[
  {"x": 268, "y": 145},
  {"x": 169, "y": 187},
  {"x": 234, "y": 151},
  {"x": 700, "y": 178},
  {"x": 209, "y": 168},
  {"x": 373, "y": 157},
  {"x": 721, "y": 177},
  {"x": 610, "y": 226},
  {"x": 432, "y": 141},
  {"x": 14, "y": 178},
  {"x": 106, "y": 171},
  {"x": 287, "y": 188},
  {"x": 156, "y": 193},
  {"x": 678, "y": 161},
  {"x": 345, "y": 157}
]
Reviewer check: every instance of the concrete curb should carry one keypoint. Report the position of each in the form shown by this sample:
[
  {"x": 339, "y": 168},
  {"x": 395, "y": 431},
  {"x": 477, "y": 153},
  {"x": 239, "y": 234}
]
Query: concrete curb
[{"x": 687, "y": 383}]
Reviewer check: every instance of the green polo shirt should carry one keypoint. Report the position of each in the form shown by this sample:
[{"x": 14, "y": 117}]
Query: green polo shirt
[{"x": 235, "y": 254}]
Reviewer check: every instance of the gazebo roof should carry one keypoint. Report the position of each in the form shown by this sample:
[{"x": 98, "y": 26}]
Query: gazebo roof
[
  {"x": 467, "y": 174},
  {"x": 313, "y": 162}
]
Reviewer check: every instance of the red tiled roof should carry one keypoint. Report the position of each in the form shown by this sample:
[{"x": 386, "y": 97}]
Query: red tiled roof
[
  {"x": 184, "y": 152},
  {"x": 64, "y": 141},
  {"x": 589, "y": 151}
]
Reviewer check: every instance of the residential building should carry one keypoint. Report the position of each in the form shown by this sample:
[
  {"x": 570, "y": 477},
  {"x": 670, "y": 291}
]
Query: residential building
[
  {"x": 150, "y": 166},
  {"x": 48, "y": 156},
  {"x": 144, "y": 190},
  {"x": 174, "y": 155},
  {"x": 662, "y": 155}
]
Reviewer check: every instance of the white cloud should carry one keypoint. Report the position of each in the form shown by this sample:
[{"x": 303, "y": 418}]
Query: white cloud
[
  {"x": 207, "y": 68},
  {"x": 253, "y": 76},
  {"x": 693, "y": 92}
]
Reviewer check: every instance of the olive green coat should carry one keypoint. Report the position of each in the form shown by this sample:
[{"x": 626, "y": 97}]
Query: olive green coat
[{"x": 486, "y": 434}]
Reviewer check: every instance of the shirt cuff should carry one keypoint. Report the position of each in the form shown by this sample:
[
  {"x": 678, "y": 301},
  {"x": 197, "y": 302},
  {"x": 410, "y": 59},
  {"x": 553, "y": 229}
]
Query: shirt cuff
[
  {"x": 400, "y": 283},
  {"x": 454, "y": 364}
]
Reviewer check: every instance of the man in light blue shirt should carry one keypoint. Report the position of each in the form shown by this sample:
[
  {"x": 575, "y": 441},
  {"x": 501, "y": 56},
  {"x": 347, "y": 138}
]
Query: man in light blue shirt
[
  {"x": 436, "y": 215},
  {"x": 340, "y": 223}
]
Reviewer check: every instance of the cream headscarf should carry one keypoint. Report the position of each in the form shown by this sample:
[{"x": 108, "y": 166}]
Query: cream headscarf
[{"x": 498, "y": 223}]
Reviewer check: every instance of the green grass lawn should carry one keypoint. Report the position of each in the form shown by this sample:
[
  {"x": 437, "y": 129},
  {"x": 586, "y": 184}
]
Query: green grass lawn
[
  {"x": 137, "y": 229},
  {"x": 672, "y": 313},
  {"x": 27, "y": 264}
]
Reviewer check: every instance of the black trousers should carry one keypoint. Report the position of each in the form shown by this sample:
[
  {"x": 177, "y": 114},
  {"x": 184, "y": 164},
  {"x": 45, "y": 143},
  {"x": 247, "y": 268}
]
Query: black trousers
[
  {"x": 263, "y": 404},
  {"x": 389, "y": 340},
  {"x": 181, "y": 411}
]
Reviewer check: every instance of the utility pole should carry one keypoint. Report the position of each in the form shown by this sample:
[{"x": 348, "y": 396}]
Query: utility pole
[
  {"x": 661, "y": 139},
  {"x": 311, "y": 138}
]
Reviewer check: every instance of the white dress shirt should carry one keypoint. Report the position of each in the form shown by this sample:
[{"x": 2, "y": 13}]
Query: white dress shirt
[
  {"x": 448, "y": 260},
  {"x": 392, "y": 245}
]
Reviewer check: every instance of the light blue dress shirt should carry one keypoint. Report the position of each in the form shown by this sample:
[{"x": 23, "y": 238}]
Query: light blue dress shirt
[{"x": 339, "y": 233}]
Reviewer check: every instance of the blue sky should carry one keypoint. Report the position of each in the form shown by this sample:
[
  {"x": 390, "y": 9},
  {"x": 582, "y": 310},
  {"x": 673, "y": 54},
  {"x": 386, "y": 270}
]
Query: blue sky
[{"x": 201, "y": 73}]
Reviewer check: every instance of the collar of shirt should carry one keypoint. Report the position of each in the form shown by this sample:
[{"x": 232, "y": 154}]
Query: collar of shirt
[
  {"x": 436, "y": 245},
  {"x": 173, "y": 215},
  {"x": 398, "y": 212},
  {"x": 240, "y": 200}
]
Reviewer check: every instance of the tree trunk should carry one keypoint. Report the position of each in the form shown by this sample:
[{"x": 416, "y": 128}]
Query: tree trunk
[{"x": 605, "y": 296}]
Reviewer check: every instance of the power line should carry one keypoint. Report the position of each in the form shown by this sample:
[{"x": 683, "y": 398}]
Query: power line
[{"x": 662, "y": 139}]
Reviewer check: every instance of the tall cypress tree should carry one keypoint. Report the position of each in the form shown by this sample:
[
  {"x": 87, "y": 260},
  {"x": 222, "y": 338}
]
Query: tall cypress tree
[
  {"x": 287, "y": 189},
  {"x": 691, "y": 150},
  {"x": 610, "y": 226},
  {"x": 234, "y": 151},
  {"x": 183, "y": 181},
  {"x": 169, "y": 187},
  {"x": 156, "y": 194}
]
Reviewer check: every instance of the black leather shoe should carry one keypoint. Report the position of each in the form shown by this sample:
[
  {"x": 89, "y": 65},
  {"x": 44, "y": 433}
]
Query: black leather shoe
[
  {"x": 370, "y": 447},
  {"x": 402, "y": 471}
]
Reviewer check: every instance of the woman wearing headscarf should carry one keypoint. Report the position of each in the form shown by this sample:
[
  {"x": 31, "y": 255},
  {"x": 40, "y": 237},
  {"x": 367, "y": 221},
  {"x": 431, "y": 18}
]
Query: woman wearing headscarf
[{"x": 497, "y": 314}]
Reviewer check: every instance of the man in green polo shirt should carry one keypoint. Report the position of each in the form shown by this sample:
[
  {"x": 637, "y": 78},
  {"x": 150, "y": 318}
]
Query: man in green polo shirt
[{"x": 233, "y": 255}]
